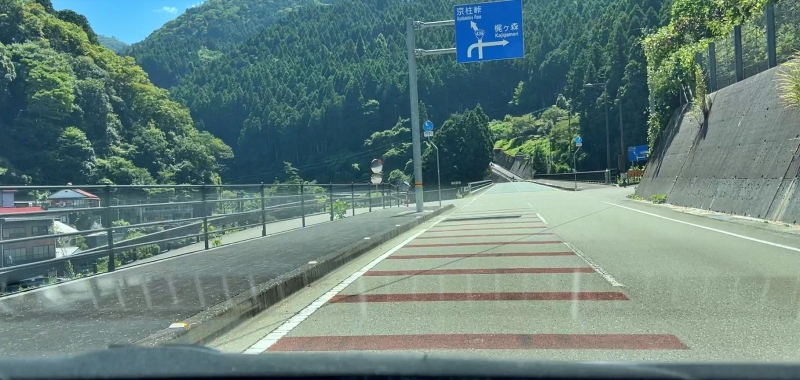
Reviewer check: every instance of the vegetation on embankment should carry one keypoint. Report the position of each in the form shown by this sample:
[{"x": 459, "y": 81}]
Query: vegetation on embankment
[
  {"x": 672, "y": 70},
  {"x": 547, "y": 141}
]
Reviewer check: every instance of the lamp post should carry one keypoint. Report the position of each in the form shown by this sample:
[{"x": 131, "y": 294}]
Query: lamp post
[{"x": 438, "y": 173}]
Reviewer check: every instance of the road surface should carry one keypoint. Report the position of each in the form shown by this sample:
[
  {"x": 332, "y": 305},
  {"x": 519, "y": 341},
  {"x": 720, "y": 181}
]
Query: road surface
[{"x": 528, "y": 271}]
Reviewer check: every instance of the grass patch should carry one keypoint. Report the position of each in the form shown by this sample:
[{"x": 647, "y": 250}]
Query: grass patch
[
  {"x": 789, "y": 83},
  {"x": 658, "y": 198},
  {"x": 635, "y": 197}
]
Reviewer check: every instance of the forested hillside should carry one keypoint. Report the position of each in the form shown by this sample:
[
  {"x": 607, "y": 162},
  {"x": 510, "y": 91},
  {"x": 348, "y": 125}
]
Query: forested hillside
[
  {"x": 112, "y": 44},
  {"x": 313, "y": 87},
  {"x": 205, "y": 33},
  {"x": 73, "y": 111}
]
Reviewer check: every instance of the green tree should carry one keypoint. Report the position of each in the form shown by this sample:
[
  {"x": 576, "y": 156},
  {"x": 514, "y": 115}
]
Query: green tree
[
  {"x": 74, "y": 154},
  {"x": 465, "y": 148},
  {"x": 71, "y": 110}
]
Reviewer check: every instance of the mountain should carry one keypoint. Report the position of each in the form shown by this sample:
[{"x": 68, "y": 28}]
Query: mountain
[
  {"x": 311, "y": 88},
  {"x": 112, "y": 43},
  {"x": 74, "y": 111},
  {"x": 207, "y": 32}
]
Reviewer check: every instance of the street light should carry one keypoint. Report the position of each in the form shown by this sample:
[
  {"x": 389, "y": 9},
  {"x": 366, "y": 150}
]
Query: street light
[
  {"x": 438, "y": 175},
  {"x": 605, "y": 101}
]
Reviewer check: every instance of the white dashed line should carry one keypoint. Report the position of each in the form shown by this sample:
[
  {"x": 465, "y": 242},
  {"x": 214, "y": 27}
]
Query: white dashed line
[
  {"x": 597, "y": 268},
  {"x": 479, "y": 195},
  {"x": 541, "y": 218}
]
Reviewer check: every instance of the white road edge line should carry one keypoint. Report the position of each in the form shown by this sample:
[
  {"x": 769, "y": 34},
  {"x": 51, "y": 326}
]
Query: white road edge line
[
  {"x": 479, "y": 195},
  {"x": 266, "y": 342},
  {"x": 709, "y": 228},
  {"x": 597, "y": 268},
  {"x": 541, "y": 218}
]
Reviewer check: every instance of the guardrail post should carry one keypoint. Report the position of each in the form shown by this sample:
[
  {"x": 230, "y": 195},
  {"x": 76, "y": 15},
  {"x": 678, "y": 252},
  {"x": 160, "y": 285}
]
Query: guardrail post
[
  {"x": 303, "y": 203},
  {"x": 353, "y": 196},
  {"x": 369, "y": 196},
  {"x": 330, "y": 193},
  {"x": 263, "y": 213},
  {"x": 383, "y": 195},
  {"x": 712, "y": 67},
  {"x": 110, "y": 232},
  {"x": 772, "y": 50},
  {"x": 205, "y": 213},
  {"x": 737, "y": 49}
]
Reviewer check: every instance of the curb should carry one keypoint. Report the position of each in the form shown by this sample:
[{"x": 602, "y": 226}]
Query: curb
[
  {"x": 220, "y": 318},
  {"x": 555, "y": 186}
]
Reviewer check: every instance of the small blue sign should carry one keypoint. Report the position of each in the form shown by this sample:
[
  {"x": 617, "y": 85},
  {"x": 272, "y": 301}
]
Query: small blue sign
[
  {"x": 428, "y": 125},
  {"x": 638, "y": 153},
  {"x": 578, "y": 140},
  {"x": 489, "y": 31}
]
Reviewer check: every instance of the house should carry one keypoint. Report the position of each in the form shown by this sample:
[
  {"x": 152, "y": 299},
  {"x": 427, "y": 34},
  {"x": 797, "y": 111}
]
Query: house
[
  {"x": 17, "y": 223},
  {"x": 72, "y": 199}
]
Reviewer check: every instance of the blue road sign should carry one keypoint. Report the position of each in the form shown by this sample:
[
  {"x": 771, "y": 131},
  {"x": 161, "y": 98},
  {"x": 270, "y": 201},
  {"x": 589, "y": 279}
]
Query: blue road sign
[
  {"x": 428, "y": 125},
  {"x": 578, "y": 140},
  {"x": 638, "y": 153},
  {"x": 489, "y": 31}
]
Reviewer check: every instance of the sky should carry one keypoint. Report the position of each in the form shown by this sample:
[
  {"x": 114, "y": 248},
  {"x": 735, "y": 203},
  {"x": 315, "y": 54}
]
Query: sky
[{"x": 128, "y": 20}]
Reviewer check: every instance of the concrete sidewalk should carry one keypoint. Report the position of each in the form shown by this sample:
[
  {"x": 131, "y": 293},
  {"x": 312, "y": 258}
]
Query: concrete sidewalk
[
  {"x": 273, "y": 228},
  {"x": 570, "y": 185},
  {"x": 133, "y": 303}
]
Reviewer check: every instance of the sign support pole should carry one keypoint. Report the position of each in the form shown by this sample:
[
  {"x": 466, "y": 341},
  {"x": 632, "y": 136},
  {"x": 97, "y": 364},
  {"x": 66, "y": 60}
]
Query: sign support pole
[
  {"x": 412, "y": 80},
  {"x": 575, "y": 167},
  {"x": 414, "y": 94},
  {"x": 505, "y": 42}
]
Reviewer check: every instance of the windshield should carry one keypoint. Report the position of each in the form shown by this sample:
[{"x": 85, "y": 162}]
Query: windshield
[{"x": 533, "y": 179}]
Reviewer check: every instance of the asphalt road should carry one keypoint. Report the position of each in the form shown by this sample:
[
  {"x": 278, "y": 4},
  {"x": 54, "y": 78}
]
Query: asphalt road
[
  {"x": 528, "y": 271},
  {"x": 132, "y": 303}
]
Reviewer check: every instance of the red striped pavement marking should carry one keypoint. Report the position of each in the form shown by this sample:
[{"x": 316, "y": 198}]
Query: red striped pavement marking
[
  {"x": 516, "y": 296},
  {"x": 482, "y": 235},
  {"x": 483, "y": 229},
  {"x": 492, "y": 223},
  {"x": 482, "y": 342},
  {"x": 435, "y": 272},
  {"x": 479, "y": 255},
  {"x": 498, "y": 243}
]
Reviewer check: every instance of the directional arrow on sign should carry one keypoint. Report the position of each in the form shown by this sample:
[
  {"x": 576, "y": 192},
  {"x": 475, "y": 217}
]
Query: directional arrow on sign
[{"x": 480, "y": 45}]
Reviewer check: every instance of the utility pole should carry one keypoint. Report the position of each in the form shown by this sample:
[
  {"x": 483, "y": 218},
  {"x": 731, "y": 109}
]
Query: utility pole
[
  {"x": 473, "y": 44},
  {"x": 412, "y": 80}
]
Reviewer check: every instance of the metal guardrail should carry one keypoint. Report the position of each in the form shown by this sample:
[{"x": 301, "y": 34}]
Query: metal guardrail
[
  {"x": 598, "y": 176},
  {"x": 190, "y": 213},
  {"x": 475, "y": 186}
]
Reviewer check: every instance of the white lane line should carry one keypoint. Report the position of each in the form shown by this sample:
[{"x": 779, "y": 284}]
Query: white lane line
[
  {"x": 597, "y": 268},
  {"x": 541, "y": 218},
  {"x": 709, "y": 228},
  {"x": 273, "y": 337},
  {"x": 479, "y": 195}
]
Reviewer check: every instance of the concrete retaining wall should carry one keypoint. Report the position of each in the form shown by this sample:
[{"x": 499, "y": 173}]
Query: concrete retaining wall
[
  {"x": 743, "y": 160},
  {"x": 516, "y": 165}
]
